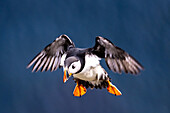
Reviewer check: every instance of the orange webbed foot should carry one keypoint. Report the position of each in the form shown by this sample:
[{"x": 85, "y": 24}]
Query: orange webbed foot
[
  {"x": 79, "y": 90},
  {"x": 113, "y": 89}
]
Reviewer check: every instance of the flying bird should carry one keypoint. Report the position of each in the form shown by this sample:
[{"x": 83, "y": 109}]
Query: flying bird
[{"x": 84, "y": 64}]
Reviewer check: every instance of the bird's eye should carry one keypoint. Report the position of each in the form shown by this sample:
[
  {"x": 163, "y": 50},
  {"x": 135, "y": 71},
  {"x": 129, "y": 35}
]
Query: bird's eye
[{"x": 73, "y": 66}]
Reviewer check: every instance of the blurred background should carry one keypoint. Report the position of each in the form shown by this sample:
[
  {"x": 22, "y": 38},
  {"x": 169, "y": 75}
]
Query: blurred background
[{"x": 141, "y": 27}]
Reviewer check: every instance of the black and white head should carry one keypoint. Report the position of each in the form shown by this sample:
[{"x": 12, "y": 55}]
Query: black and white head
[{"x": 72, "y": 65}]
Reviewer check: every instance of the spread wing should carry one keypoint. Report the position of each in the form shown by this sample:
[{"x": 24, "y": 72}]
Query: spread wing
[
  {"x": 50, "y": 56},
  {"x": 116, "y": 59}
]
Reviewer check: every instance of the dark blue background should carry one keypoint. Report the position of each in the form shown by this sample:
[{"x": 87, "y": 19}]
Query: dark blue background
[{"x": 141, "y": 27}]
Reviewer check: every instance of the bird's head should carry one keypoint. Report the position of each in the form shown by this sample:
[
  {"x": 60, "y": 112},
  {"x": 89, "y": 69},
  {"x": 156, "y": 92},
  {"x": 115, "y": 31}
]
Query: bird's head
[{"x": 71, "y": 65}]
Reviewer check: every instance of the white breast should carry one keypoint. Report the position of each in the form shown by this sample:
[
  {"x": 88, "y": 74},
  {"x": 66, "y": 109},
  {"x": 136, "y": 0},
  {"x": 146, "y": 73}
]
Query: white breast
[
  {"x": 92, "y": 70},
  {"x": 91, "y": 61}
]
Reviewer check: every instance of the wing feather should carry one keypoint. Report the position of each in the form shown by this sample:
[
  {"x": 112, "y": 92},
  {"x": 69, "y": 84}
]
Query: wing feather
[
  {"x": 50, "y": 56},
  {"x": 49, "y": 64},
  {"x": 37, "y": 62},
  {"x": 57, "y": 63},
  {"x": 45, "y": 64},
  {"x": 54, "y": 64},
  {"x": 116, "y": 59},
  {"x": 41, "y": 64},
  {"x": 35, "y": 59}
]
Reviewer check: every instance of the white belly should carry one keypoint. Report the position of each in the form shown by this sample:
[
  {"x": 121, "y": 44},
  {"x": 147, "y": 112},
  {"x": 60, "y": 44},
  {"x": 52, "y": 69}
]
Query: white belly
[
  {"x": 93, "y": 74},
  {"x": 92, "y": 71}
]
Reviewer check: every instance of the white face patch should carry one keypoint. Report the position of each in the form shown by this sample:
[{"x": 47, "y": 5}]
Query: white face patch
[{"x": 74, "y": 67}]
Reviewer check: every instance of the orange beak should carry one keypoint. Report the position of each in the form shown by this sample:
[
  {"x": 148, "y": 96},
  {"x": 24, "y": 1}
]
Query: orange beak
[
  {"x": 70, "y": 74},
  {"x": 65, "y": 76}
]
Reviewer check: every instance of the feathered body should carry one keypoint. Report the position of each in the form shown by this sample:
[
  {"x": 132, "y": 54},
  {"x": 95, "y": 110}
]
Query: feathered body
[
  {"x": 91, "y": 73},
  {"x": 84, "y": 64}
]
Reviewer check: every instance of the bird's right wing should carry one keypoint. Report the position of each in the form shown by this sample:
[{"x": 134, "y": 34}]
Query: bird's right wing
[
  {"x": 116, "y": 58},
  {"x": 50, "y": 56}
]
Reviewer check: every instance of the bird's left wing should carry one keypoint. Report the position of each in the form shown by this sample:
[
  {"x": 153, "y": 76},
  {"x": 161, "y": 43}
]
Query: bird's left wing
[
  {"x": 50, "y": 56},
  {"x": 116, "y": 59}
]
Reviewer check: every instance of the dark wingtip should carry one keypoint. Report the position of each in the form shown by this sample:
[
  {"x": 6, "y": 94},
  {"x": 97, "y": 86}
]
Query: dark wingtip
[
  {"x": 63, "y": 35},
  {"x": 103, "y": 38},
  {"x": 141, "y": 66}
]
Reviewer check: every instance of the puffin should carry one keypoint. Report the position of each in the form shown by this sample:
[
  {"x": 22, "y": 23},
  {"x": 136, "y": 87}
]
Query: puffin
[{"x": 84, "y": 64}]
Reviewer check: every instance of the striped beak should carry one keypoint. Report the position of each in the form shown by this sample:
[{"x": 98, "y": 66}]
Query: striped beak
[{"x": 65, "y": 75}]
